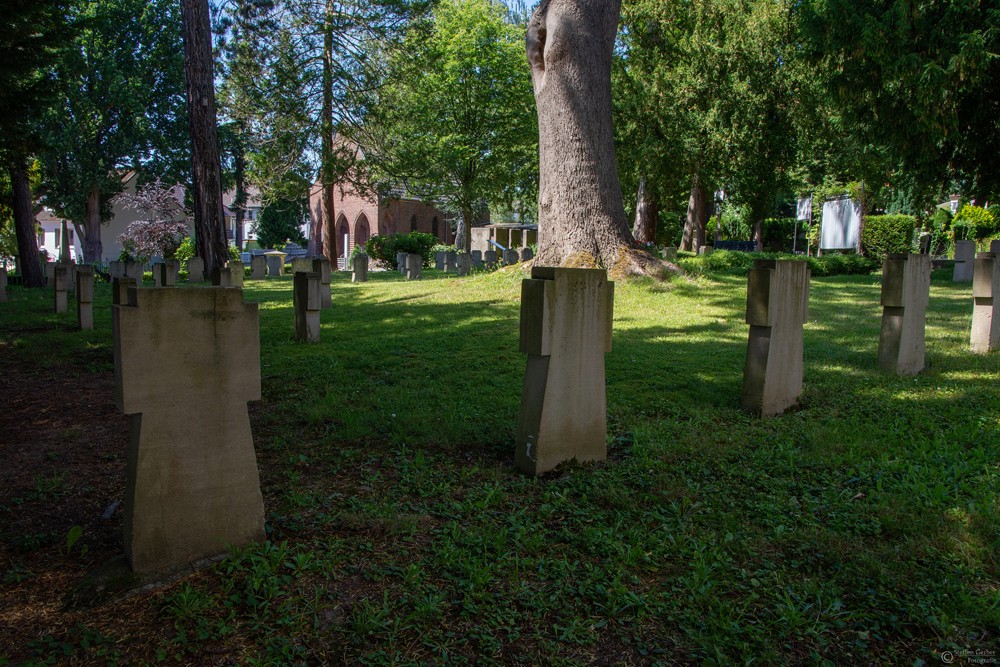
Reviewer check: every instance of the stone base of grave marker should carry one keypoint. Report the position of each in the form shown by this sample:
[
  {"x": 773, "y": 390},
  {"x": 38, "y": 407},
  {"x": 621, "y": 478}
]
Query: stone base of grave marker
[
  {"x": 359, "y": 268},
  {"x": 511, "y": 257},
  {"x": 192, "y": 487},
  {"x": 566, "y": 319},
  {"x": 477, "y": 256},
  {"x": 413, "y": 266},
  {"x": 307, "y": 302},
  {"x": 526, "y": 254},
  {"x": 985, "y": 336},
  {"x": 85, "y": 296},
  {"x": 906, "y": 284},
  {"x": 777, "y": 307},
  {"x": 490, "y": 259},
  {"x": 196, "y": 270},
  {"x": 60, "y": 282},
  {"x": 965, "y": 257}
]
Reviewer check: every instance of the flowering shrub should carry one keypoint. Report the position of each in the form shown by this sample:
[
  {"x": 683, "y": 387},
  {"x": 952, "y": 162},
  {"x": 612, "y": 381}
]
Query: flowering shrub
[{"x": 164, "y": 226}]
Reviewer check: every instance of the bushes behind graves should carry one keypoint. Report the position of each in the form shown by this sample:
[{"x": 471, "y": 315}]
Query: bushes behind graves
[
  {"x": 739, "y": 263},
  {"x": 383, "y": 249},
  {"x": 778, "y": 234},
  {"x": 884, "y": 234},
  {"x": 974, "y": 223}
]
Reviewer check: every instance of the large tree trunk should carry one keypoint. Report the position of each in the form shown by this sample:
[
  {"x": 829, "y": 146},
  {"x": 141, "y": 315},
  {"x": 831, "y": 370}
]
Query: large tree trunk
[
  {"x": 329, "y": 232},
  {"x": 240, "y": 197},
  {"x": 581, "y": 216},
  {"x": 24, "y": 226},
  {"x": 694, "y": 225},
  {"x": 646, "y": 215},
  {"x": 206, "y": 170},
  {"x": 90, "y": 231},
  {"x": 758, "y": 233},
  {"x": 463, "y": 231}
]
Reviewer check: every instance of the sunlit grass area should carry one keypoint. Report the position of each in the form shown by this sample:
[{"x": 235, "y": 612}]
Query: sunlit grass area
[{"x": 861, "y": 528}]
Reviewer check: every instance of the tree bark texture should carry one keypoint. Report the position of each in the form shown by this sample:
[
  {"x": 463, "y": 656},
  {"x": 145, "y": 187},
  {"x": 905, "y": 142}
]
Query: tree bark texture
[
  {"x": 90, "y": 231},
  {"x": 24, "y": 226},
  {"x": 329, "y": 232},
  {"x": 463, "y": 231},
  {"x": 646, "y": 215},
  {"x": 581, "y": 215},
  {"x": 758, "y": 233},
  {"x": 206, "y": 170},
  {"x": 240, "y": 200},
  {"x": 694, "y": 225}
]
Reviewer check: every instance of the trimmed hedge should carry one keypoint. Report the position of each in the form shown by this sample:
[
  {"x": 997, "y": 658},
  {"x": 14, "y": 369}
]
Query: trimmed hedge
[
  {"x": 739, "y": 263},
  {"x": 383, "y": 249},
  {"x": 884, "y": 234}
]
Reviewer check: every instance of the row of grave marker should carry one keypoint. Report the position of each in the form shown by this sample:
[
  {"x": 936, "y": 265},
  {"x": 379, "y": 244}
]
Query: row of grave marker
[{"x": 213, "y": 496}]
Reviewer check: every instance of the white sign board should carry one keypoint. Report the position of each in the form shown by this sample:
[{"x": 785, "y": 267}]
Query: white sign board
[
  {"x": 804, "y": 209},
  {"x": 841, "y": 225}
]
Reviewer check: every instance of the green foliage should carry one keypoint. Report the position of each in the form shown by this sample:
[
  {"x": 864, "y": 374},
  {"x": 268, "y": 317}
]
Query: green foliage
[
  {"x": 456, "y": 120},
  {"x": 383, "y": 249},
  {"x": 974, "y": 223},
  {"x": 280, "y": 222},
  {"x": 185, "y": 251},
  {"x": 778, "y": 234},
  {"x": 859, "y": 528},
  {"x": 884, "y": 234},
  {"x": 739, "y": 263}
]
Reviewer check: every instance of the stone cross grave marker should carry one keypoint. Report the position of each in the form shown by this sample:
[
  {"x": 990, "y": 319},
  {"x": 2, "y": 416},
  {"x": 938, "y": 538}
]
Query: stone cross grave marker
[
  {"x": 307, "y": 304},
  {"x": 196, "y": 270},
  {"x": 965, "y": 258},
  {"x": 413, "y": 266},
  {"x": 258, "y": 267},
  {"x": 60, "y": 282},
  {"x": 304, "y": 264},
  {"x": 463, "y": 264},
  {"x": 985, "y": 335},
  {"x": 359, "y": 268},
  {"x": 186, "y": 363},
  {"x": 906, "y": 284},
  {"x": 777, "y": 307},
  {"x": 275, "y": 263},
  {"x": 119, "y": 290},
  {"x": 565, "y": 330},
  {"x": 321, "y": 265},
  {"x": 85, "y": 296}
]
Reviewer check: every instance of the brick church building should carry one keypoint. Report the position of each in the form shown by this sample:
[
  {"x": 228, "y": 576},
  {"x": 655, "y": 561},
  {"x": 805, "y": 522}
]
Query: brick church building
[{"x": 358, "y": 217}]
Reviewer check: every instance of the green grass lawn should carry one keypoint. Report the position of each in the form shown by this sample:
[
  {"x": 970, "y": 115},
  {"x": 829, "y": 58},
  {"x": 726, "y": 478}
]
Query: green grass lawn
[{"x": 862, "y": 528}]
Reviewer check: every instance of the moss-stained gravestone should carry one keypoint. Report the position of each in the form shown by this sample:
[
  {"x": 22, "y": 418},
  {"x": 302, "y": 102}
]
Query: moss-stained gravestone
[
  {"x": 196, "y": 270},
  {"x": 359, "y": 269},
  {"x": 186, "y": 363},
  {"x": 60, "y": 285},
  {"x": 307, "y": 302},
  {"x": 965, "y": 257},
  {"x": 565, "y": 331},
  {"x": 985, "y": 294},
  {"x": 906, "y": 285},
  {"x": 258, "y": 267},
  {"x": 85, "y": 296},
  {"x": 414, "y": 263},
  {"x": 321, "y": 265},
  {"x": 777, "y": 307}
]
